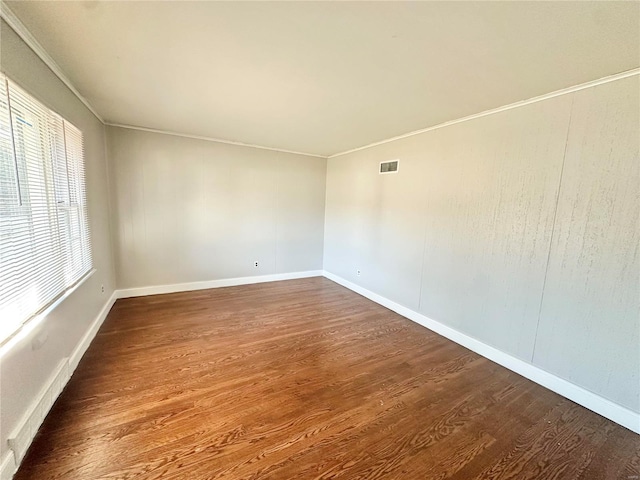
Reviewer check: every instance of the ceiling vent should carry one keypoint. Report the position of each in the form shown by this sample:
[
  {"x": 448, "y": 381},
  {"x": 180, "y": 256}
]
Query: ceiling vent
[{"x": 391, "y": 166}]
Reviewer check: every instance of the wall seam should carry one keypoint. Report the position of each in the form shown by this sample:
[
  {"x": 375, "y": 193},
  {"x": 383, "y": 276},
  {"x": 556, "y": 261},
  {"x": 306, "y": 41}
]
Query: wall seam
[
  {"x": 110, "y": 207},
  {"x": 540, "y": 98},
  {"x": 143, "y": 208},
  {"x": 277, "y": 213},
  {"x": 553, "y": 230},
  {"x": 324, "y": 208},
  {"x": 424, "y": 251}
]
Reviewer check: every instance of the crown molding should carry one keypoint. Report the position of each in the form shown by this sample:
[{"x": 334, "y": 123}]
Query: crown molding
[
  {"x": 211, "y": 139},
  {"x": 23, "y": 32},
  {"x": 522, "y": 103}
]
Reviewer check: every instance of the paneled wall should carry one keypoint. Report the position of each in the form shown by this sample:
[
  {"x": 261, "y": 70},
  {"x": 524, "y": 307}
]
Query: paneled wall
[
  {"x": 188, "y": 210},
  {"x": 589, "y": 329},
  {"x": 519, "y": 229}
]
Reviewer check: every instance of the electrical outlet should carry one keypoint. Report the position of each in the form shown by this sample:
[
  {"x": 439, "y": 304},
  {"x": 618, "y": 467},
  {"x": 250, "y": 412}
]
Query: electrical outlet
[
  {"x": 255, "y": 264},
  {"x": 102, "y": 288},
  {"x": 358, "y": 272}
]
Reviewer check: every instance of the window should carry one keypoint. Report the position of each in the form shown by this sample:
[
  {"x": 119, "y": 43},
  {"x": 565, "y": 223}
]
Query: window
[{"x": 44, "y": 233}]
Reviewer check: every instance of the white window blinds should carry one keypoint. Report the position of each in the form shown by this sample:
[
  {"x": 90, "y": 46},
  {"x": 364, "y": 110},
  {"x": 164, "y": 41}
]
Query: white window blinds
[{"x": 44, "y": 233}]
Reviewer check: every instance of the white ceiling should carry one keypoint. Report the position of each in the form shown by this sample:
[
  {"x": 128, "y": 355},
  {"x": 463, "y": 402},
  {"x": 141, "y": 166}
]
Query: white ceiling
[{"x": 329, "y": 76}]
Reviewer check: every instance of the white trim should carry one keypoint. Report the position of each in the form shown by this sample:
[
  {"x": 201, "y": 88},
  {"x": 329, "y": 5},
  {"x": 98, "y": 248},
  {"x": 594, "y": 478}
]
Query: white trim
[
  {"x": 7, "y": 466},
  {"x": 587, "y": 399},
  {"x": 88, "y": 337},
  {"x": 27, "y": 327},
  {"x": 226, "y": 282},
  {"x": 23, "y": 32},
  {"x": 211, "y": 139},
  {"x": 21, "y": 437},
  {"x": 522, "y": 103}
]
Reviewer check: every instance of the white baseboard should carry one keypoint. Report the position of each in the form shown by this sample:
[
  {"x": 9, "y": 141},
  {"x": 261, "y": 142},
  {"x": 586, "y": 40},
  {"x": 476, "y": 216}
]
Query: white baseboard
[
  {"x": 22, "y": 436},
  {"x": 88, "y": 337},
  {"x": 7, "y": 466},
  {"x": 20, "y": 439},
  {"x": 226, "y": 282},
  {"x": 602, "y": 406}
]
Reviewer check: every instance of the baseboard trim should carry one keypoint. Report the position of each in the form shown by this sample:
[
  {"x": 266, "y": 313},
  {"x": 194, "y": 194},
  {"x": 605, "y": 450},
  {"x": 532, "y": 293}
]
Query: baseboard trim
[
  {"x": 226, "y": 282},
  {"x": 7, "y": 466},
  {"x": 22, "y": 436},
  {"x": 88, "y": 337},
  {"x": 581, "y": 396}
]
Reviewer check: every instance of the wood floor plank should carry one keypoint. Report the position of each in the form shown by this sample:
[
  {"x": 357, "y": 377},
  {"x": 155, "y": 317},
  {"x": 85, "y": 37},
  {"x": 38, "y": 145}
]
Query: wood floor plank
[{"x": 304, "y": 379}]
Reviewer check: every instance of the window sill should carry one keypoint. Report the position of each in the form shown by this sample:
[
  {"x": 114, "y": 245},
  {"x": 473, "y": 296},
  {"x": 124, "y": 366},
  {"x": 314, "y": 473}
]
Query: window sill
[{"x": 26, "y": 328}]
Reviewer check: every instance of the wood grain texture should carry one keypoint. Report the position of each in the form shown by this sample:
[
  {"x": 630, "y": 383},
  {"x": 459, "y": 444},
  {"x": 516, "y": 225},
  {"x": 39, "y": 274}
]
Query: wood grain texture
[
  {"x": 463, "y": 232},
  {"x": 25, "y": 370},
  {"x": 305, "y": 379}
]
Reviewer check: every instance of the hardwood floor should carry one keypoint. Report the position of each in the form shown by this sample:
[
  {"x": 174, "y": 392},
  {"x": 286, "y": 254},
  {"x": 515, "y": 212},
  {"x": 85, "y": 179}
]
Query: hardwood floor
[{"x": 304, "y": 379}]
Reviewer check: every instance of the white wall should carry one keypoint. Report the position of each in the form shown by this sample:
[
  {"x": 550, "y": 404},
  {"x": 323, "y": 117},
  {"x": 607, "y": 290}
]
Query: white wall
[
  {"x": 519, "y": 229},
  {"x": 26, "y": 367},
  {"x": 589, "y": 330},
  {"x": 188, "y": 210}
]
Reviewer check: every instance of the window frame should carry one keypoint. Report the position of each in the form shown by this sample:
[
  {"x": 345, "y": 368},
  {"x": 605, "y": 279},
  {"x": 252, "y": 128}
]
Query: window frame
[{"x": 69, "y": 231}]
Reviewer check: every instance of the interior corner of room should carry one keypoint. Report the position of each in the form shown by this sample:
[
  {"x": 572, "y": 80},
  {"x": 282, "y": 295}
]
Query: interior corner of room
[{"x": 510, "y": 228}]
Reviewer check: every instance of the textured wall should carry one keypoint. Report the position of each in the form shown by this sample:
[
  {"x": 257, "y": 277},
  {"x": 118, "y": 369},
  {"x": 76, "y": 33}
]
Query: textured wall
[
  {"x": 25, "y": 368},
  {"x": 489, "y": 215},
  {"x": 375, "y": 223},
  {"x": 190, "y": 210},
  {"x": 464, "y": 233},
  {"x": 590, "y": 320}
]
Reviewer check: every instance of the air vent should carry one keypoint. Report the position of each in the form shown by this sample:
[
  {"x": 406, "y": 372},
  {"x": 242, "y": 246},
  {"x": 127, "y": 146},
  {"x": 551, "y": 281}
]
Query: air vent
[{"x": 390, "y": 166}]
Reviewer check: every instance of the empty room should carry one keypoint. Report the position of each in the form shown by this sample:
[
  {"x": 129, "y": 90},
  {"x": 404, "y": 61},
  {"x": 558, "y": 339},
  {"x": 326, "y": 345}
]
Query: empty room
[{"x": 319, "y": 240}]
